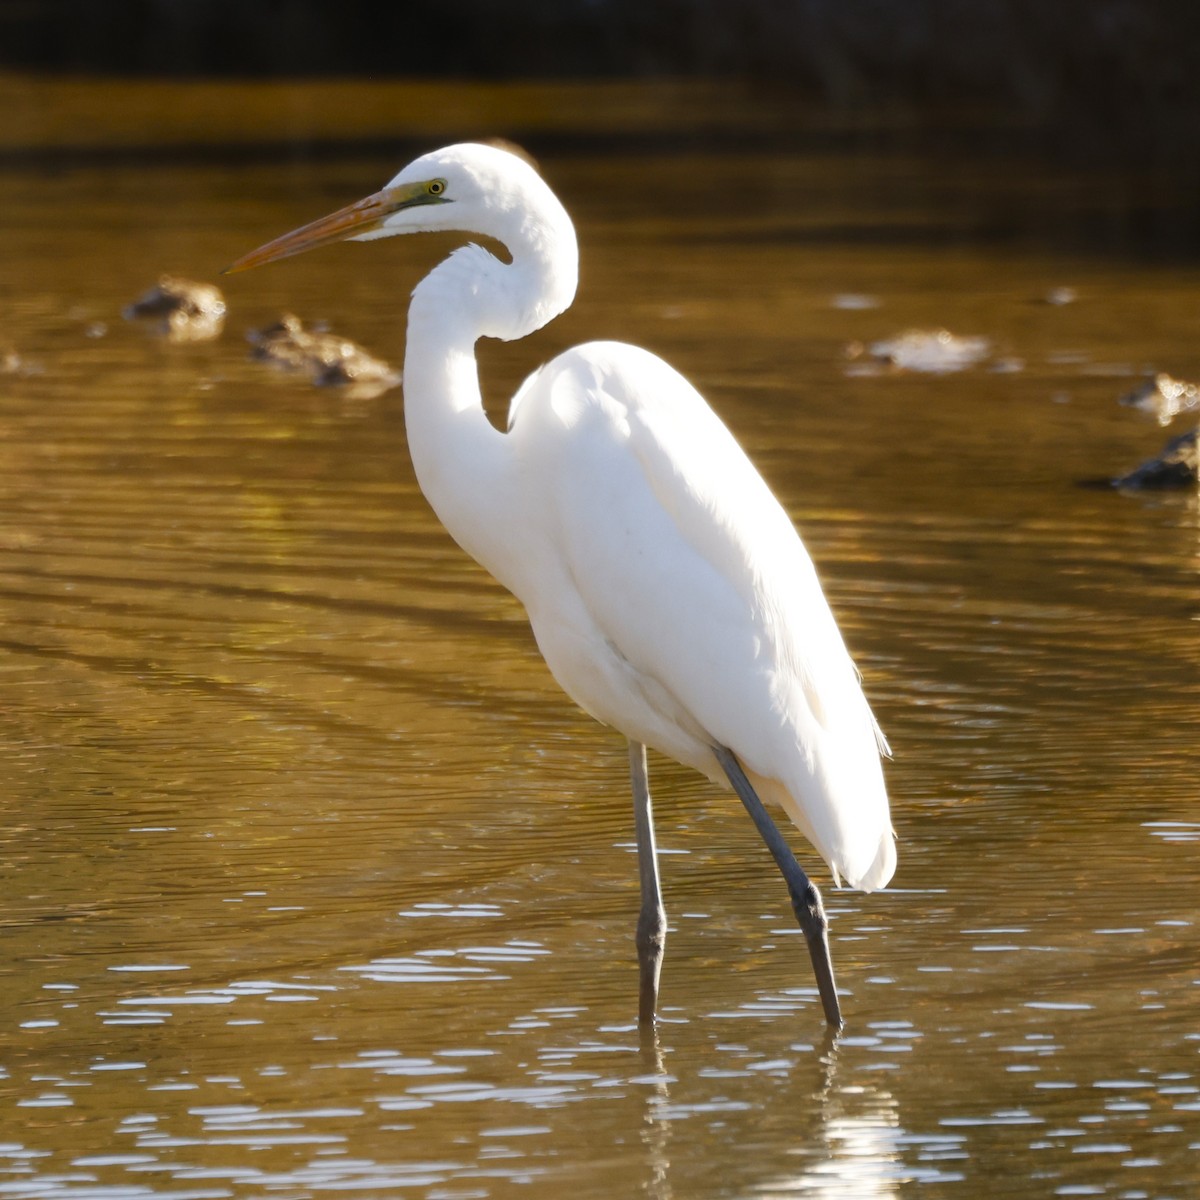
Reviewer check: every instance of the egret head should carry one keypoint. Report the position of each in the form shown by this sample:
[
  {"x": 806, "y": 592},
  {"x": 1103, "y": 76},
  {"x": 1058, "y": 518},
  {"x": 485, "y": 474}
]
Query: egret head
[{"x": 469, "y": 188}]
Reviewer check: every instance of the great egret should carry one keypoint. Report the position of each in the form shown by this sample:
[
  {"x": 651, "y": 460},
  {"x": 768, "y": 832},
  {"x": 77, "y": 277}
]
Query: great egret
[{"x": 668, "y": 590}]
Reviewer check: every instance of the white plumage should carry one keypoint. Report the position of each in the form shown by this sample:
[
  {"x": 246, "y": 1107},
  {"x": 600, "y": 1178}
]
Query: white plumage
[
  {"x": 668, "y": 591},
  {"x": 672, "y": 599}
]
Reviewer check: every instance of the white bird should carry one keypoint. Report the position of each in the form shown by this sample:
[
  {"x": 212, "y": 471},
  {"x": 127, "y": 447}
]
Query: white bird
[{"x": 669, "y": 593}]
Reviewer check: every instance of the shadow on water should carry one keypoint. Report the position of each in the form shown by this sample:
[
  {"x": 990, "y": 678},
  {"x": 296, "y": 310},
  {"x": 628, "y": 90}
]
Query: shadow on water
[{"x": 313, "y": 882}]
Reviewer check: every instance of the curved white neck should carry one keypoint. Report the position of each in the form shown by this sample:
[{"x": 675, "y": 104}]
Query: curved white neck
[{"x": 463, "y": 463}]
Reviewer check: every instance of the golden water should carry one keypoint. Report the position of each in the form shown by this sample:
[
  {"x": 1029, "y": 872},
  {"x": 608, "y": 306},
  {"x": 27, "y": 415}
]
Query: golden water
[{"x": 313, "y": 882}]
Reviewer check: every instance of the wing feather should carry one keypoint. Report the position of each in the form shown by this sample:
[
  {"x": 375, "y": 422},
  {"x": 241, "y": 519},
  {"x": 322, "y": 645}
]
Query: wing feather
[{"x": 692, "y": 596}]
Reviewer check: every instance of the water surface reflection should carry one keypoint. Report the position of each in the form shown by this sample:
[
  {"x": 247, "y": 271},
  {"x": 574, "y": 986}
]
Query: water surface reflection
[{"x": 314, "y": 883}]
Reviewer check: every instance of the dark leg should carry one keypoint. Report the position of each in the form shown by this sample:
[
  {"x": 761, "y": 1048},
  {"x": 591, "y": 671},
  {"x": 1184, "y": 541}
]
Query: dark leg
[
  {"x": 652, "y": 921},
  {"x": 806, "y": 900}
]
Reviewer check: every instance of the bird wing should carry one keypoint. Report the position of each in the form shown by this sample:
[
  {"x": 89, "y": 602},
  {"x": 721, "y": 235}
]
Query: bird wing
[{"x": 683, "y": 592}]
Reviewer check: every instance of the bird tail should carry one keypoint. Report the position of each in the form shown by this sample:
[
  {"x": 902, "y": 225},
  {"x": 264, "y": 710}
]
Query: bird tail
[{"x": 859, "y": 847}]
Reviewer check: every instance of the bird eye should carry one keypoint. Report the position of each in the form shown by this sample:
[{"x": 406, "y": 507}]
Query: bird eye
[{"x": 437, "y": 187}]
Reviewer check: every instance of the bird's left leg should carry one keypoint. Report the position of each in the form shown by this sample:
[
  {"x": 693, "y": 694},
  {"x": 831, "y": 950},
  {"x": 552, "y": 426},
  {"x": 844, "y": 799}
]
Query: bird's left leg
[
  {"x": 652, "y": 920},
  {"x": 806, "y": 900}
]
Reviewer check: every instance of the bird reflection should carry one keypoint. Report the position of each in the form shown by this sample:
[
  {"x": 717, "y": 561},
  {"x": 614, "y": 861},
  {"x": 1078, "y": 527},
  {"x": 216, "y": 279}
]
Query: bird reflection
[
  {"x": 853, "y": 1153},
  {"x": 656, "y": 1129}
]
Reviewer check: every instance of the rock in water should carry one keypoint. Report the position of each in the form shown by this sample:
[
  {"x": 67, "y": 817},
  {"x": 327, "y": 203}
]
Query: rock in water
[
  {"x": 937, "y": 351},
  {"x": 1164, "y": 397},
  {"x": 1175, "y": 467},
  {"x": 324, "y": 357},
  {"x": 182, "y": 310}
]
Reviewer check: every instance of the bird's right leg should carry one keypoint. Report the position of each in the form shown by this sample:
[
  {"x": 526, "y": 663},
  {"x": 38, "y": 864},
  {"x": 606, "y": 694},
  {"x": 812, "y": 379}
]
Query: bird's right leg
[
  {"x": 806, "y": 900},
  {"x": 652, "y": 920}
]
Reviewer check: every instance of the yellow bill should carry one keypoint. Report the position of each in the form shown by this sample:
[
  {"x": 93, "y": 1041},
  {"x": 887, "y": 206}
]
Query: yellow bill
[{"x": 361, "y": 218}]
